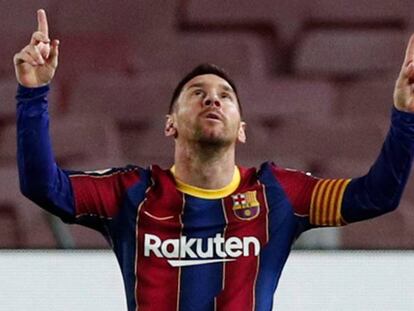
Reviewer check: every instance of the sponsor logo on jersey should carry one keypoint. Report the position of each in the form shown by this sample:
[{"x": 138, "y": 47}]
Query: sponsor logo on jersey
[
  {"x": 196, "y": 251},
  {"x": 245, "y": 205}
]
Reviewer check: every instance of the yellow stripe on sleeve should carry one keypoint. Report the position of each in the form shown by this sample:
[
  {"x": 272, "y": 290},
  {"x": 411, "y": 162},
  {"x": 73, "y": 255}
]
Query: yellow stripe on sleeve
[
  {"x": 326, "y": 202},
  {"x": 315, "y": 200},
  {"x": 338, "y": 215},
  {"x": 332, "y": 205}
]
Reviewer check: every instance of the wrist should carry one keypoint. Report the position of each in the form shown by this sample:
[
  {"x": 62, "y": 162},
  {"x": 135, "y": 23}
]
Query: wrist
[{"x": 24, "y": 92}]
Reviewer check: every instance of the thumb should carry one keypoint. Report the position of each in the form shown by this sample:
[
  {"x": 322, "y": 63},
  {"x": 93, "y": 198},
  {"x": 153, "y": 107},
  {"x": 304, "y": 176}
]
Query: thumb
[{"x": 54, "y": 53}]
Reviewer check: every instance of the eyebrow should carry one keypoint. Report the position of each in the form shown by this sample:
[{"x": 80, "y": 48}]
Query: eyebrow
[{"x": 202, "y": 84}]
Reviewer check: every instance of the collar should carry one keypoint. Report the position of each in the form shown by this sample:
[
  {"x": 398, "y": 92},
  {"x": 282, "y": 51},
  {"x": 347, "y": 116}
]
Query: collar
[{"x": 208, "y": 193}]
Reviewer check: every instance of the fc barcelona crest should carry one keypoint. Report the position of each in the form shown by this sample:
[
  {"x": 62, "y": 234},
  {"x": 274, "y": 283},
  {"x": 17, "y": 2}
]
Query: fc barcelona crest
[{"x": 245, "y": 205}]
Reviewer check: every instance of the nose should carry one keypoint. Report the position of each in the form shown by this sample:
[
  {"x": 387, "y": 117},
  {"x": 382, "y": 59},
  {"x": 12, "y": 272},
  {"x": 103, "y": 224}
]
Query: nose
[{"x": 212, "y": 100}]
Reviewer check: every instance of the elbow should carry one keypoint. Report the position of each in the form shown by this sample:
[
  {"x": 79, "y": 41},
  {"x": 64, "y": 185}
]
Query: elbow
[
  {"x": 390, "y": 205},
  {"x": 33, "y": 191},
  {"x": 385, "y": 206},
  {"x": 25, "y": 189}
]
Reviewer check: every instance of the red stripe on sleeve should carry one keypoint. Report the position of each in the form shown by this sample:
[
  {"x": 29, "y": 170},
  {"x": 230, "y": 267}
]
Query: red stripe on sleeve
[
  {"x": 101, "y": 195},
  {"x": 298, "y": 187}
]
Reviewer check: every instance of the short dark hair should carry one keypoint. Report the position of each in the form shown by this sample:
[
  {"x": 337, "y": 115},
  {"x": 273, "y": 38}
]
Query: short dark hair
[{"x": 203, "y": 69}]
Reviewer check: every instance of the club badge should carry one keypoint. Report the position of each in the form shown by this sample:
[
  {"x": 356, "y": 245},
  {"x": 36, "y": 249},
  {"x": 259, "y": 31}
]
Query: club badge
[{"x": 245, "y": 205}]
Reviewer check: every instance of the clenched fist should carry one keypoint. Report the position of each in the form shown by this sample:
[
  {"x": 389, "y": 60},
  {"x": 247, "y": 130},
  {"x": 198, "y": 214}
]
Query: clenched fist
[{"x": 36, "y": 63}]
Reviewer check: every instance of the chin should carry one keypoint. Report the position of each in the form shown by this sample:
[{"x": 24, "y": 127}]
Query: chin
[
  {"x": 215, "y": 140},
  {"x": 213, "y": 137}
]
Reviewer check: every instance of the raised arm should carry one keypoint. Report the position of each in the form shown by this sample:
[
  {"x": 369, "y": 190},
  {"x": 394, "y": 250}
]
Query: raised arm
[
  {"x": 40, "y": 178},
  {"x": 381, "y": 189},
  {"x": 335, "y": 202},
  {"x": 80, "y": 197}
]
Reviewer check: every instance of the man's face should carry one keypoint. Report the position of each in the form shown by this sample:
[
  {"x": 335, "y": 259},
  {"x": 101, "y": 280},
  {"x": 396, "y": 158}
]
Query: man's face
[{"x": 207, "y": 111}]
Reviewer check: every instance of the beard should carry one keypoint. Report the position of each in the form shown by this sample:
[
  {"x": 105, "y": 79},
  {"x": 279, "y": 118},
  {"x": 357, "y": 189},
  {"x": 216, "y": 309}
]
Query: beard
[{"x": 213, "y": 137}]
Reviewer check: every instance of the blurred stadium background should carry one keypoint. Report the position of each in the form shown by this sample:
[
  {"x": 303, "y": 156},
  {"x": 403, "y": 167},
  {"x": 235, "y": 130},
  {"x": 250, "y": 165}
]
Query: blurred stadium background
[{"x": 315, "y": 79}]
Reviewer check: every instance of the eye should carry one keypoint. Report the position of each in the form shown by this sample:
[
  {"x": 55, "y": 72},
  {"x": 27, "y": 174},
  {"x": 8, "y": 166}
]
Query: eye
[
  {"x": 198, "y": 93},
  {"x": 226, "y": 95}
]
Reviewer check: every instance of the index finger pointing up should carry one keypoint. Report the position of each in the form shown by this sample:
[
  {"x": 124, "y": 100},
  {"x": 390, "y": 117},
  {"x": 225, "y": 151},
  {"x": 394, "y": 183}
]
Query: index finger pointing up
[
  {"x": 42, "y": 22},
  {"x": 409, "y": 53}
]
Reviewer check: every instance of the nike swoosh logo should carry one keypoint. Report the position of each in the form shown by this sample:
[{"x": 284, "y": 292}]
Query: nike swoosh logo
[{"x": 184, "y": 263}]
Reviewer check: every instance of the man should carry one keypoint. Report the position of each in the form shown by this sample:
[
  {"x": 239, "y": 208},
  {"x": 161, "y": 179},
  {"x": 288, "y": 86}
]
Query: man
[{"x": 205, "y": 234}]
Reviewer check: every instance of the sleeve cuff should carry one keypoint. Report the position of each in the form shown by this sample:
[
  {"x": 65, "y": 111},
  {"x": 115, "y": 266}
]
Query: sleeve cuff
[
  {"x": 25, "y": 93},
  {"x": 403, "y": 122}
]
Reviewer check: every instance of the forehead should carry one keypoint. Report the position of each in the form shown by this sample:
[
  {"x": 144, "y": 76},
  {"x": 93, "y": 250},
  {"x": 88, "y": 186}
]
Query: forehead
[{"x": 207, "y": 80}]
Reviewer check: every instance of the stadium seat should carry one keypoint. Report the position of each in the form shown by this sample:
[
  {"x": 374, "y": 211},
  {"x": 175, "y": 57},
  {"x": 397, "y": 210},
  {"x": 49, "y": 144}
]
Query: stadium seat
[
  {"x": 318, "y": 141},
  {"x": 129, "y": 18},
  {"x": 368, "y": 12},
  {"x": 126, "y": 100},
  {"x": 349, "y": 53},
  {"x": 278, "y": 97},
  {"x": 241, "y": 54},
  {"x": 106, "y": 38},
  {"x": 94, "y": 38},
  {"x": 370, "y": 98},
  {"x": 154, "y": 22},
  {"x": 85, "y": 53},
  {"x": 278, "y": 112},
  {"x": 87, "y": 17},
  {"x": 284, "y": 18}
]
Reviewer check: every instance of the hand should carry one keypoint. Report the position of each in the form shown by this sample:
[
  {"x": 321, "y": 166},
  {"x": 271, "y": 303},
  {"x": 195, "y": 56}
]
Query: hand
[
  {"x": 404, "y": 87},
  {"x": 36, "y": 63}
]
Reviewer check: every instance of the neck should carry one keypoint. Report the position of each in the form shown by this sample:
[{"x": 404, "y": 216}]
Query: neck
[{"x": 208, "y": 167}]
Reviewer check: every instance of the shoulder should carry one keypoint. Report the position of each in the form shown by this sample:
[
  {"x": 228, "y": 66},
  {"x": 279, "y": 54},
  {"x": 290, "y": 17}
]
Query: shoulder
[
  {"x": 289, "y": 176},
  {"x": 297, "y": 185},
  {"x": 286, "y": 177}
]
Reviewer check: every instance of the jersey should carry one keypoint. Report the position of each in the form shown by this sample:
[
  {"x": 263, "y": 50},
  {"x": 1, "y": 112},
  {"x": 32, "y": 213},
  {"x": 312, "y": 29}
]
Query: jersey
[
  {"x": 216, "y": 250},
  {"x": 185, "y": 248}
]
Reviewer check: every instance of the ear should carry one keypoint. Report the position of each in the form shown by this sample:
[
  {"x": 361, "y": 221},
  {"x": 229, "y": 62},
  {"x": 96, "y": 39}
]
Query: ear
[
  {"x": 241, "y": 137},
  {"x": 170, "y": 130}
]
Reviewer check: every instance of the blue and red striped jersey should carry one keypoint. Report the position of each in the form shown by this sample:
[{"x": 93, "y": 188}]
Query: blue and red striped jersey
[{"x": 185, "y": 248}]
